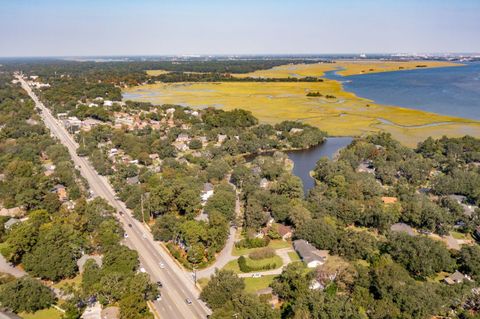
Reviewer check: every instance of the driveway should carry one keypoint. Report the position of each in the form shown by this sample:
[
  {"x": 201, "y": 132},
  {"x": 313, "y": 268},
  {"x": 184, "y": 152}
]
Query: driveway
[{"x": 9, "y": 269}]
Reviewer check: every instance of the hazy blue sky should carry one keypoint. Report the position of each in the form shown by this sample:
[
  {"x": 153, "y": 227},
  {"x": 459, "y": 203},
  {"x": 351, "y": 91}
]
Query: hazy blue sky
[{"x": 137, "y": 27}]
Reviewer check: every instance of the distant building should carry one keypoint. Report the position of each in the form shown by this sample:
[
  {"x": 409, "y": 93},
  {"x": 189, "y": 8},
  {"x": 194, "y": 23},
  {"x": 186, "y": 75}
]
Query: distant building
[
  {"x": 457, "y": 278},
  {"x": 207, "y": 192},
  {"x": 61, "y": 192},
  {"x": 11, "y": 222},
  {"x": 133, "y": 180},
  {"x": 389, "y": 200},
  {"x": 284, "y": 231},
  {"x": 310, "y": 255},
  {"x": 402, "y": 228},
  {"x": 182, "y": 137}
]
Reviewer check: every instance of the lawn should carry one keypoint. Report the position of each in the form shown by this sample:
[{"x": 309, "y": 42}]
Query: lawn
[
  {"x": 254, "y": 284},
  {"x": 458, "y": 235},
  {"x": 50, "y": 313},
  {"x": 202, "y": 282},
  {"x": 76, "y": 281},
  {"x": 233, "y": 265},
  {"x": 294, "y": 256},
  {"x": 273, "y": 102},
  {"x": 275, "y": 244}
]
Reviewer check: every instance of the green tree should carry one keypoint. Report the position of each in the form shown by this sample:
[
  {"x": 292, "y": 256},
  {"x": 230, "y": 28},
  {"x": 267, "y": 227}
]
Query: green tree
[
  {"x": 25, "y": 294},
  {"x": 221, "y": 288}
]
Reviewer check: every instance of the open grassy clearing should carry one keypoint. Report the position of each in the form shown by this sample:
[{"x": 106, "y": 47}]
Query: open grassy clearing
[
  {"x": 76, "y": 281},
  {"x": 347, "y": 67},
  {"x": 50, "y": 313},
  {"x": 275, "y": 244},
  {"x": 233, "y": 265},
  {"x": 344, "y": 115},
  {"x": 254, "y": 284},
  {"x": 294, "y": 256},
  {"x": 156, "y": 72}
]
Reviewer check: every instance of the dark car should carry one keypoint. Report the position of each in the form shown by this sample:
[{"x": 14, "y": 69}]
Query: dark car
[
  {"x": 129, "y": 225},
  {"x": 159, "y": 284}
]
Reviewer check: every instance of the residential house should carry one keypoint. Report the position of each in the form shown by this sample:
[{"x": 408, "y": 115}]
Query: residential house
[
  {"x": 366, "y": 167},
  {"x": 153, "y": 156},
  {"x": 402, "y": 228},
  {"x": 133, "y": 180},
  {"x": 316, "y": 285},
  {"x": 12, "y": 212},
  {"x": 264, "y": 183},
  {"x": 284, "y": 231},
  {"x": 207, "y": 192},
  {"x": 182, "y": 137},
  {"x": 61, "y": 192},
  {"x": 72, "y": 124},
  {"x": 310, "y": 255},
  {"x": 11, "y": 222},
  {"x": 107, "y": 103},
  {"x": 49, "y": 169},
  {"x": 295, "y": 130},
  {"x": 389, "y": 200},
  {"x": 221, "y": 138},
  {"x": 457, "y": 278},
  {"x": 180, "y": 146},
  {"x": 468, "y": 209}
]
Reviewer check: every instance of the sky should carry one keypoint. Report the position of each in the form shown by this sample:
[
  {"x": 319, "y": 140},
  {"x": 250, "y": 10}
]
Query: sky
[{"x": 190, "y": 27}]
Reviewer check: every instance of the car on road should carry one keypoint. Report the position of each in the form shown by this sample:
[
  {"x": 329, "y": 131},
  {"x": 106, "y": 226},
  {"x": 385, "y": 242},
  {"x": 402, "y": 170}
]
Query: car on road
[
  {"x": 144, "y": 236},
  {"x": 159, "y": 284},
  {"x": 159, "y": 298},
  {"x": 143, "y": 270},
  {"x": 188, "y": 301},
  {"x": 162, "y": 265},
  {"x": 256, "y": 275},
  {"x": 129, "y": 225},
  {"x": 125, "y": 235}
]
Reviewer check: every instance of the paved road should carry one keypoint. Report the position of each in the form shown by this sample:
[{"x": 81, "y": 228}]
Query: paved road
[
  {"x": 225, "y": 256},
  {"x": 177, "y": 285},
  {"x": 9, "y": 269}
]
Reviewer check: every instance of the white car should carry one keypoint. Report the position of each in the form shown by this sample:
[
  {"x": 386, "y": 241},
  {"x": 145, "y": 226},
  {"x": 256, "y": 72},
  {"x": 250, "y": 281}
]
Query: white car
[
  {"x": 159, "y": 298},
  {"x": 125, "y": 235},
  {"x": 162, "y": 265},
  {"x": 256, "y": 275},
  {"x": 143, "y": 270}
]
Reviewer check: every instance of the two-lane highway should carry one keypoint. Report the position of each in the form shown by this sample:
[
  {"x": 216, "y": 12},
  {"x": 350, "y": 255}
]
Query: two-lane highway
[{"x": 177, "y": 286}]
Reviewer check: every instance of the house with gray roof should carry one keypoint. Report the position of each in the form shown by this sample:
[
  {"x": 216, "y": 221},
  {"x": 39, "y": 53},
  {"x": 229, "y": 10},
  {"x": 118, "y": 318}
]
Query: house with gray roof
[{"x": 310, "y": 255}]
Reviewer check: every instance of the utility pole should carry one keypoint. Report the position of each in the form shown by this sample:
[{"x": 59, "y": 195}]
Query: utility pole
[{"x": 141, "y": 204}]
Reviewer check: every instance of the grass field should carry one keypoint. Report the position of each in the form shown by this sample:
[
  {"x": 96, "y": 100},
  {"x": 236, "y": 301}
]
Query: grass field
[
  {"x": 344, "y": 115},
  {"x": 346, "y": 67},
  {"x": 50, "y": 313},
  {"x": 233, "y": 265},
  {"x": 294, "y": 256},
  {"x": 254, "y": 284},
  {"x": 275, "y": 244}
]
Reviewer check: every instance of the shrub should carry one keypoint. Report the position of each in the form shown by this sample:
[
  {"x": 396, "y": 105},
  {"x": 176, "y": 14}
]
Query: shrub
[
  {"x": 253, "y": 243},
  {"x": 263, "y": 253},
  {"x": 245, "y": 267}
]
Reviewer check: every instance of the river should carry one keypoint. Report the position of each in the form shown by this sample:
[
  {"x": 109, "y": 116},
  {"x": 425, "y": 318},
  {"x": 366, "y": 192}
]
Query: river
[
  {"x": 305, "y": 160},
  {"x": 449, "y": 91}
]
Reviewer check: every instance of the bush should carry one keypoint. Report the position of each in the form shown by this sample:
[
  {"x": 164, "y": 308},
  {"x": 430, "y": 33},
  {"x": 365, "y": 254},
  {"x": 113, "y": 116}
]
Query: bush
[
  {"x": 253, "y": 243},
  {"x": 263, "y": 253}
]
